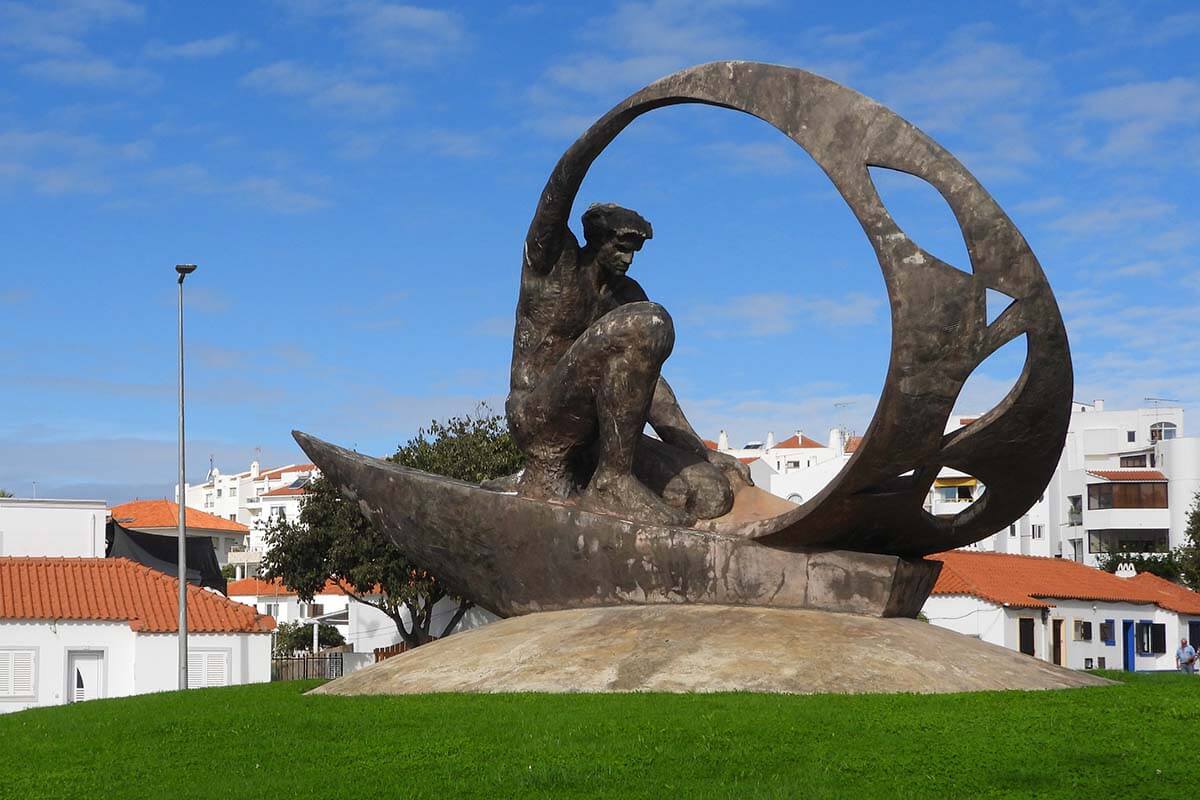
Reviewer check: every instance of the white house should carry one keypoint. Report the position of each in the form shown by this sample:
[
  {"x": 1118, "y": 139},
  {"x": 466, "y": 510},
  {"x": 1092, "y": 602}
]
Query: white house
[
  {"x": 1062, "y": 611},
  {"x": 251, "y": 498},
  {"x": 44, "y": 527},
  {"x": 74, "y": 629},
  {"x": 161, "y": 517}
]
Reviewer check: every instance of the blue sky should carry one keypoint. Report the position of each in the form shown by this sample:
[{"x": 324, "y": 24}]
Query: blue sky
[{"x": 355, "y": 180}]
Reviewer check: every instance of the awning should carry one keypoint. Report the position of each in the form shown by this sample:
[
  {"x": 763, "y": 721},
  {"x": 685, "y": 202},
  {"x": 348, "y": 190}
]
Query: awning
[{"x": 940, "y": 483}]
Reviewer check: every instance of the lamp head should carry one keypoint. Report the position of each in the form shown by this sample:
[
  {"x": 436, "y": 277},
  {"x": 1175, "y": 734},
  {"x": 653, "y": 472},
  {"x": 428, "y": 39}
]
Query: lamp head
[{"x": 184, "y": 270}]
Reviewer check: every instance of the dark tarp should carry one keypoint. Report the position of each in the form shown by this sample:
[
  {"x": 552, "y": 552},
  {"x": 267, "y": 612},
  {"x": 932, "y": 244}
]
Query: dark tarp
[{"x": 162, "y": 553}]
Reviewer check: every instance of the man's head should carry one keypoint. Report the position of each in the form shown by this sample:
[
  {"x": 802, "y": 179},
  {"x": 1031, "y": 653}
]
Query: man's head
[
  {"x": 1183, "y": 642},
  {"x": 614, "y": 234}
]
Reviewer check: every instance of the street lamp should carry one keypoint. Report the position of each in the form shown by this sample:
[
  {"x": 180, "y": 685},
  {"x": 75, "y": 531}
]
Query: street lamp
[{"x": 184, "y": 270}]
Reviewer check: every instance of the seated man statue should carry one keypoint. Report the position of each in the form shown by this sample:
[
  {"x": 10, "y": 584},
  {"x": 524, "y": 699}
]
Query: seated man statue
[{"x": 587, "y": 354}]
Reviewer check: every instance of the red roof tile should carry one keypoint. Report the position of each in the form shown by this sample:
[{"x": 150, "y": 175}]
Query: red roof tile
[
  {"x": 1027, "y": 581},
  {"x": 286, "y": 491},
  {"x": 142, "y": 514},
  {"x": 852, "y": 443},
  {"x": 1128, "y": 474},
  {"x": 748, "y": 459},
  {"x": 257, "y": 587},
  {"x": 1170, "y": 596},
  {"x": 710, "y": 444},
  {"x": 795, "y": 442},
  {"x": 277, "y": 473},
  {"x": 116, "y": 590}
]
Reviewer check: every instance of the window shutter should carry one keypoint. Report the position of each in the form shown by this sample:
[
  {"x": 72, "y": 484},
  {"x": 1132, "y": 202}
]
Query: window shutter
[
  {"x": 6, "y": 676},
  {"x": 215, "y": 673},
  {"x": 195, "y": 669},
  {"x": 17, "y": 672}
]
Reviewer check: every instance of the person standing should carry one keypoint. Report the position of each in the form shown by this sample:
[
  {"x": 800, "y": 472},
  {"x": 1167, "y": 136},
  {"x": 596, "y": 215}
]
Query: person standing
[{"x": 1185, "y": 657}]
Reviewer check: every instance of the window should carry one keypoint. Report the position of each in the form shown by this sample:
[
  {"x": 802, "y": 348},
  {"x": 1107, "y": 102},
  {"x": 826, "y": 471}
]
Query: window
[
  {"x": 1151, "y": 638},
  {"x": 1083, "y": 630},
  {"x": 1130, "y": 494},
  {"x": 233, "y": 491},
  {"x": 1162, "y": 430},
  {"x": 17, "y": 674},
  {"x": 793, "y": 465},
  {"x": 1036, "y": 531},
  {"x": 1131, "y": 436},
  {"x": 219, "y": 492},
  {"x": 278, "y": 512},
  {"x": 1012, "y": 530},
  {"x": 208, "y": 668},
  {"x": 313, "y": 609},
  {"x": 258, "y": 490},
  {"x": 271, "y": 609},
  {"x": 208, "y": 501},
  {"x": 233, "y": 517},
  {"x": 1129, "y": 540},
  {"x": 1075, "y": 509},
  {"x": 1133, "y": 461},
  {"x": 1108, "y": 633},
  {"x": 1025, "y": 635},
  {"x": 1100, "y": 663},
  {"x": 1088, "y": 663}
]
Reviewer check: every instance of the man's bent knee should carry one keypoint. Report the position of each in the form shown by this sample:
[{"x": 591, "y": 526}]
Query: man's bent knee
[{"x": 644, "y": 325}]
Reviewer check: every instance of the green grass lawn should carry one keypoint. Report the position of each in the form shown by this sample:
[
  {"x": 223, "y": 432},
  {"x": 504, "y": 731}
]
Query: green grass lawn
[{"x": 1136, "y": 740}]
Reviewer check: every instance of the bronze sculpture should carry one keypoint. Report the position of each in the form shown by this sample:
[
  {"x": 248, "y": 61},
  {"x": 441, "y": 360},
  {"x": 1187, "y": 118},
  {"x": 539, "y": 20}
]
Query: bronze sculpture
[{"x": 855, "y": 546}]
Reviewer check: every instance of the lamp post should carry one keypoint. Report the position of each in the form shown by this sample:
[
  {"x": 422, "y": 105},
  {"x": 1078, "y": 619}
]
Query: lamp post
[{"x": 184, "y": 270}]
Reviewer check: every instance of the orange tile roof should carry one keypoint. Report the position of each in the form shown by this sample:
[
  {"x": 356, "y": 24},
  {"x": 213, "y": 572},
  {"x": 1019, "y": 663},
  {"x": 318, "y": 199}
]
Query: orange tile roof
[
  {"x": 710, "y": 444},
  {"x": 116, "y": 590},
  {"x": 748, "y": 459},
  {"x": 278, "y": 471},
  {"x": 1128, "y": 474},
  {"x": 1028, "y": 581},
  {"x": 257, "y": 587},
  {"x": 285, "y": 491},
  {"x": 795, "y": 442},
  {"x": 142, "y": 514},
  {"x": 966, "y": 420},
  {"x": 852, "y": 443},
  {"x": 1170, "y": 596}
]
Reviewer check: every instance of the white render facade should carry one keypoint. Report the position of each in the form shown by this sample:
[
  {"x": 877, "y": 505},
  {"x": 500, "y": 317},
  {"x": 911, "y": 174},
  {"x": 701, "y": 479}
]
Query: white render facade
[
  {"x": 47, "y": 662},
  {"x": 45, "y": 527},
  {"x": 1118, "y": 635}
]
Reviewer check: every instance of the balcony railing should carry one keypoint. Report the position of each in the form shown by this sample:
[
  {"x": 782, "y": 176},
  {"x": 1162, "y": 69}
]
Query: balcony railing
[{"x": 1074, "y": 517}]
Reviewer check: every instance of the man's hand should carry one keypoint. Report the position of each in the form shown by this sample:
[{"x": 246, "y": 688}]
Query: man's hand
[{"x": 737, "y": 473}]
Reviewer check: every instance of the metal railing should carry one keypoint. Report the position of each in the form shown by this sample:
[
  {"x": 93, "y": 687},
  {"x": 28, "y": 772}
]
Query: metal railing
[{"x": 298, "y": 668}]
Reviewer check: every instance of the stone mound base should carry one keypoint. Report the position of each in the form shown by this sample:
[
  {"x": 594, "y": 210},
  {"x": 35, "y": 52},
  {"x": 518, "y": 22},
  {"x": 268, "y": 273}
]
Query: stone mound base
[{"x": 701, "y": 648}]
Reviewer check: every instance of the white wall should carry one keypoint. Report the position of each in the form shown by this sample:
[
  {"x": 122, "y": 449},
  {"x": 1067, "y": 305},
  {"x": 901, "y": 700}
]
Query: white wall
[
  {"x": 53, "y": 641},
  {"x": 157, "y": 658},
  {"x": 967, "y": 615},
  {"x": 371, "y": 628},
  {"x": 54, "y": 528}
]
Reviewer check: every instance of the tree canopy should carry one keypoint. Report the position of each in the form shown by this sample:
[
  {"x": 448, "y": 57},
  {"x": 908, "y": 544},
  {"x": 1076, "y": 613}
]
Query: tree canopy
[
  {"x": 5, "y": 493},
  {"x": 296, "y": 637},
  {"x": 333, "y": 541}
]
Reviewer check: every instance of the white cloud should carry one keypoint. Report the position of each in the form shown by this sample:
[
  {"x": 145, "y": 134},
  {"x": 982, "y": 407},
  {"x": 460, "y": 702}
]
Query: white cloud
[
  {"x": 399, "y": 32},
  {"x": 1137, "y": 115},
  {"x": 767, "y": 314},
  {"x": 254, "y": 190},
  {"x": 197, "y": 48},
  {"x": 92, "y": 72},
  {"x": 326, "y": 91},
  {"x": 57, "y": 27}
]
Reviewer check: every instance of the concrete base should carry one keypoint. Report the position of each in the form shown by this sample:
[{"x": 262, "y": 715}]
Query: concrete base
[{"x": 706, "y": 648}]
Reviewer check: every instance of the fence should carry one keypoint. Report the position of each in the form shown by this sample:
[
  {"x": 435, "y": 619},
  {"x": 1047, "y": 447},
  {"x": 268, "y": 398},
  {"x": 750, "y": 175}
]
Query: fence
[
  {"x": 295, "y": 668},
  {"x": 384, "y": 653}
]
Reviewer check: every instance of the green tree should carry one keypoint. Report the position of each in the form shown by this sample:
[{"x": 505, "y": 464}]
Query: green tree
[
  {"x": 332, "y": 541},
  {"x": 294, "y": 637},
  {"x": 5, "y": 493},
  {"x": 1179, "y": 565}
]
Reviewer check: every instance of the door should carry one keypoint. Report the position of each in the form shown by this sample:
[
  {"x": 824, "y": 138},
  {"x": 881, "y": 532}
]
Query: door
[
  {"x": 1127, "y": 645},
  {"x": 1057, "y": 645},
  {"x": 1025, "y": 629},
  {"x": 1194, "y": 633},
  {"x": 85, "y": 676}
]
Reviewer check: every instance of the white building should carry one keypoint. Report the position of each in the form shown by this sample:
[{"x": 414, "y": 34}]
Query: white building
[
  {"x": 43, "y": 527},
  {"x": 1124, "y": 483},
  {"x": 74, "y": 629},
  {"x": 797, "y": 467},
  {"x": 1062, "y": 611},
  {"x": 251, "y": 498}
]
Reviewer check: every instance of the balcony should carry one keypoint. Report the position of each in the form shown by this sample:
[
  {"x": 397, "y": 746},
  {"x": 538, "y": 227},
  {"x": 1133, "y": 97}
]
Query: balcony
[{"x": 253, "y": 501}]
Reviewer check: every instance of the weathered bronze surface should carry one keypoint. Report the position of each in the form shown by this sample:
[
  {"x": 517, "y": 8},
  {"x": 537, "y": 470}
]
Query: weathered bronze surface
[{"x": 566, "y": 544}]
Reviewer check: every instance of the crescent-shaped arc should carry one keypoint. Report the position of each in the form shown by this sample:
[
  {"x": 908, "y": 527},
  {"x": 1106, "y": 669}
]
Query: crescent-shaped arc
[{"x": 937, "y": 340}]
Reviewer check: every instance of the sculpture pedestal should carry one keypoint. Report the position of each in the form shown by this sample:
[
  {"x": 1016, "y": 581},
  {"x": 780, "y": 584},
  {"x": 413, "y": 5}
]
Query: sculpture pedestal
[{"x": 706, "y": 648}]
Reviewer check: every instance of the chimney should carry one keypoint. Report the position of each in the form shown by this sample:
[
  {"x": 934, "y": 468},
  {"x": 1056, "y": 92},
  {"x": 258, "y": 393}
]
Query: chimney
[
  {"x": 799, "y": 437},
  {"x": 1125, "y": 570},
  {"x": 1098, "y": 405},
  {"x": 723, "y": 441},
  {"x": 770, "y": 440},
  {"x": 836, "y": 443},
  {"x": 253, "y": 469}
]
